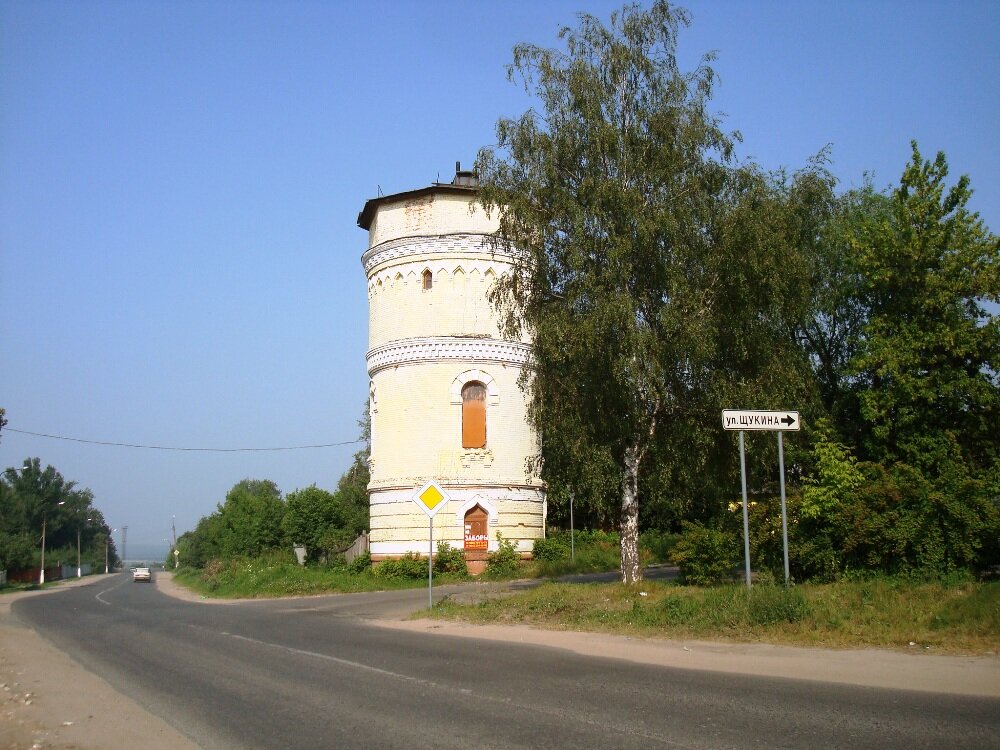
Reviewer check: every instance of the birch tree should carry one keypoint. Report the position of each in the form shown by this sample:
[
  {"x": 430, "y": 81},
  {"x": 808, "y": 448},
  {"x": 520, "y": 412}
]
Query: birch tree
[{"x": 621, "y": 195}]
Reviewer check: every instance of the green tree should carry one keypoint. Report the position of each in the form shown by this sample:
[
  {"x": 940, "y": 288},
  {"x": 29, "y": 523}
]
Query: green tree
[
  {"x": 310, "y": 517},
  {"x": 250, "y": 519},
  {"x": 202, "y": 544},
  {"x": 927, "y": 363},
  {"x": 34, "y": 498},
  {"x": 833, "y": 328},
  {"x": 655, "y": 278},
  {"x": 352, "y": 487}
]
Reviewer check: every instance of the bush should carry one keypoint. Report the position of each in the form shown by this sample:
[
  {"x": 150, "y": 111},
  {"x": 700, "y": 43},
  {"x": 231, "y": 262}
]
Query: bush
[
  {"x": 360, "y": 564},
  {"x": 705, "y": 555},
  {"x": 555, "y": 547},
  {"x": 657, "y": 545},
  {"x": 16, "y": 551},
  {"x": 450, "y": 560},
  {"x": 410, "y": 565},
  {"x": 505, "y": 561},
  {"x": 595, "y": 552}
]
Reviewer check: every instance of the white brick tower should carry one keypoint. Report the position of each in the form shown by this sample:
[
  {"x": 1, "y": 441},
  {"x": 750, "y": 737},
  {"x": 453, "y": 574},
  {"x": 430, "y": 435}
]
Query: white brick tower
[{"x": 444, "y": 397}]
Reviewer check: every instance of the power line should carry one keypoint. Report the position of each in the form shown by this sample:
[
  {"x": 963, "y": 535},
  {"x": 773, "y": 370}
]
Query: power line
[{"x": 176, "y": 448}]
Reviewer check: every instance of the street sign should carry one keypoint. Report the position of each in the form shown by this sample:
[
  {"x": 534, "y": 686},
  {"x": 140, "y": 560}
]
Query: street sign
[
  {"x": 738, "y": 419},
  {"x": 773, "y": 421},
  {"x": 431, "y": 498}
]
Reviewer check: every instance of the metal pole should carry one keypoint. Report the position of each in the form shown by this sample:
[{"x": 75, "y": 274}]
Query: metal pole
[
  {"x": 41, "y": 575},
  {"x": 572, "y": 546},
  {"x": 78, "y": 575},
  {"x": 430, "y": 568},
  {"x": 746, "y": 516},
  {"x": 173, "y": 526},
  {"x": 784, "y": 514}
]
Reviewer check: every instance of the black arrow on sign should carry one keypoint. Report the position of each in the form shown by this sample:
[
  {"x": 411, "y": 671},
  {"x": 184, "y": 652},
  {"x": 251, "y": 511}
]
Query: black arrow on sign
[{"x": 788, "y": 419}]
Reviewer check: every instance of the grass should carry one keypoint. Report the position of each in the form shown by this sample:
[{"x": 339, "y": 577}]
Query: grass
[
  {"x": 263, "y": 578},
  {"x": 884, "y": 612},
  {"x": 14, "y": 588},
  {"x": 953, "y": 615}
]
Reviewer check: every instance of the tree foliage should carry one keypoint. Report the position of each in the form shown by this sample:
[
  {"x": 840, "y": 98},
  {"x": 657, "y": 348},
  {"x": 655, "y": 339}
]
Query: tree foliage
[
  {"x": 314, "y": 519},
  {"x": 657, "y": 280},
  {"x": 255, "y": 519},
  {"x": 250, "y": 519},
  {"x": 31, "y": 497},
  {"x": 928, "y": 360}
]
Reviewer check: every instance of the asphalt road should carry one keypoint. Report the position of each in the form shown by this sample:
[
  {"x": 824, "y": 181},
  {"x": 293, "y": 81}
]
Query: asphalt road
[{"x": 315, "y": 673}]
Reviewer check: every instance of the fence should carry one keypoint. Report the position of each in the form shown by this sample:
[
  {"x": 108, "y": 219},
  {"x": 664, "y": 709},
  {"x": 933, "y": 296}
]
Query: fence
[
  {"x": 69, "y": 571},
  {"x": 31, "y": 575},
  {"x": 359, "y": 547}
]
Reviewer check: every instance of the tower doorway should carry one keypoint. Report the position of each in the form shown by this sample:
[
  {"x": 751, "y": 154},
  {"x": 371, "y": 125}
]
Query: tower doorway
[{"x": 477, "y": 533}]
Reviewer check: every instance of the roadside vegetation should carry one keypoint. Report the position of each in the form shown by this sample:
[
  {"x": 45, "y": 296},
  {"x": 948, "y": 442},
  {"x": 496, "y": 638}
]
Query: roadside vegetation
[
  {"x": 37, "y": 502},
  {"x": 664, "y": 278},
  {"x": 956, "y": 615}
]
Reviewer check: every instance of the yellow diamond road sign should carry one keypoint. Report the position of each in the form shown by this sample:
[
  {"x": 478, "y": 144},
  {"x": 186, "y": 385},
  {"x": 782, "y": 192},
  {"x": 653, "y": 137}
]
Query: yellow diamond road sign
[{"x": 431, "y": 498}]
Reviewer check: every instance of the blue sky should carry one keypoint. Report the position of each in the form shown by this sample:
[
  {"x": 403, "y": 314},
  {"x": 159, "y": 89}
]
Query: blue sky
[{"x": 180, "y": 182}]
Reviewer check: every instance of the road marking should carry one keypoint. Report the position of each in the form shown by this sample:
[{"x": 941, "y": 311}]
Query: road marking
[
  {"x": 606, "y": 726},
  {"x": 112, "y": 588},
  {"x": 338, "y": 660}
]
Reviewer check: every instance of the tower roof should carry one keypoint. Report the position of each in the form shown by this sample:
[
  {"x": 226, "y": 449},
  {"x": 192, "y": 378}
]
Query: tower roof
[{"x": 465, "y": 181}]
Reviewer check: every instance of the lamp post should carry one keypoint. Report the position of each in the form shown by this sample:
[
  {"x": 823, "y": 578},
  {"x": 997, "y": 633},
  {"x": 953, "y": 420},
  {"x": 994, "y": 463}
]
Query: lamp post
[
  {"x": 79, "y": 573},
  {"x": 41, "y": 574},
  {"x": 107, "y": 540},
  {"x": 124, "y": 555}
]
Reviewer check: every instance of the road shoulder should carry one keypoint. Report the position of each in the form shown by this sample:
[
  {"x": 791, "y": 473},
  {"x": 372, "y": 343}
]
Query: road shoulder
[
  {"x": 877, "y": 668},
  {"x": 958, "y": 675},
  {"x": 48, "y": 700}
]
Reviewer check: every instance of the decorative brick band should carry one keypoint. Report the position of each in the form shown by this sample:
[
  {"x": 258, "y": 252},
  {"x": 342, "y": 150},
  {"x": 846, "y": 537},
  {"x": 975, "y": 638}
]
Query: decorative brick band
[
  {"x": 446, "y": 349},
  {"x": 446, "y": 244}
]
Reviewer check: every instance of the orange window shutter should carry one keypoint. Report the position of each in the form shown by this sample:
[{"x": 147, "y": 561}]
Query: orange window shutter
[{"x": 473, "y": 417}]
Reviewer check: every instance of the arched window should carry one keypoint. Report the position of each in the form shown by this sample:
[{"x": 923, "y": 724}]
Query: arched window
[
  {"x": 474, "y": 415},
  {"x": 428, "y": 279}
]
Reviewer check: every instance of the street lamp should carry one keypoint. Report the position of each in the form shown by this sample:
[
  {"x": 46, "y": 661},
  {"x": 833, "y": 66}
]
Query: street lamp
[
  {"x": 41, "y": 574},
  {"x": 79, "y": 574},
  {"x": 107, "y": 539}
]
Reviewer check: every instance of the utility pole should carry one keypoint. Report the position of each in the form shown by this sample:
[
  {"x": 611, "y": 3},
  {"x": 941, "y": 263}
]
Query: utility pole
[
  {"x": 173, "y": 526},
  {"x": 124, "y": 556}
]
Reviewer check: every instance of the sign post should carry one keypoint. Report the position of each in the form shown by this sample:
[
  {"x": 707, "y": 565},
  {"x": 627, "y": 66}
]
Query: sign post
[
  {"x": 430, "y": 498},
  {"x": 572, "y": 547},
  {"x": 772, "y": 421},
  {"x": 746, "y": 511}
]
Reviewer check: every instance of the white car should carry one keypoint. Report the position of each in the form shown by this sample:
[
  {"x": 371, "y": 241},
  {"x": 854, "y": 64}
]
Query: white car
[{"x": 142, "y": 574}]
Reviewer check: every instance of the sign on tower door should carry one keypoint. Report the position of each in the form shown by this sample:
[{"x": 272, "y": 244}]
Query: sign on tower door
[{"x": 477, "y": 529}]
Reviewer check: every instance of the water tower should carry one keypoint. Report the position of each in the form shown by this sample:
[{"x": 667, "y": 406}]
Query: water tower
[{"x": 444, "y": 396}]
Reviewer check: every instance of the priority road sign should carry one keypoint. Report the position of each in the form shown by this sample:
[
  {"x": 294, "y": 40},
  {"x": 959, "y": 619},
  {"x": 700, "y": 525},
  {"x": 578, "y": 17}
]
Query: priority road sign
[
  {"x": 431, "y": 498},
  {"x": 738, "y": 419}
]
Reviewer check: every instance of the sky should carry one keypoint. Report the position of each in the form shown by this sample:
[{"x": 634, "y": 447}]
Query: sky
[{"x": 180, "y": 184}]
